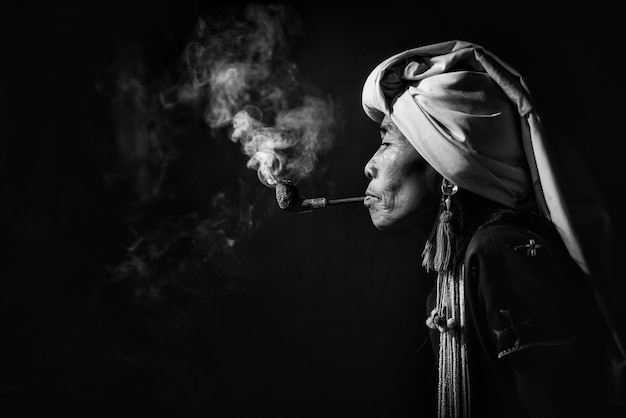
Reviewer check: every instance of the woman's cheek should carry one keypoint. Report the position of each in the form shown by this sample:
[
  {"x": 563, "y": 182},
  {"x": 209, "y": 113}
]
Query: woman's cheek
[{"x": 388, "y": 197}]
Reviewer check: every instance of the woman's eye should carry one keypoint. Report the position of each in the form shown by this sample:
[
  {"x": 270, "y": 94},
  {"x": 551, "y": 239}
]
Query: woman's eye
[{"x": 385, "y": 144}]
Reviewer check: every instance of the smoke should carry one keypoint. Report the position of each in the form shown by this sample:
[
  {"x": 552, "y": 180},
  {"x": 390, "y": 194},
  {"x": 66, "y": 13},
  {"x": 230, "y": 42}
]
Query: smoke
[
  {"x": 290, "y": 148},
  {"x": 281, "y": 123},
  {"x": 235, "y": 60},
  {"x": 231, "y": 85},
  {"x": 176, "y": 258},
  {"x": 144, "y": 152}
]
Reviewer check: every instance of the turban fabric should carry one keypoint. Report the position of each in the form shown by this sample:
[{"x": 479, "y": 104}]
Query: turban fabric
[{"x": 471, "y": 116}]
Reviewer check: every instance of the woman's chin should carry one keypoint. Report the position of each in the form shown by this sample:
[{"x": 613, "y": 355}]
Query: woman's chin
[
  {"x": 383, "y": 223},
  {"x": 388, "y": 223}
]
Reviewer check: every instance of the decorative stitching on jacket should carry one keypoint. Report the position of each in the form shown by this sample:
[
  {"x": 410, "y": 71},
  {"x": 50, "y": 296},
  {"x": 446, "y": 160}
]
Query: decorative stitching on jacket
[{"x": 534, "y": 344}]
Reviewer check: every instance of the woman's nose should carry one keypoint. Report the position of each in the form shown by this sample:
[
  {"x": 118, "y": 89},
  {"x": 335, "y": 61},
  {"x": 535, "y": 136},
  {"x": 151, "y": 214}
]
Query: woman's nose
[{"x": 370, "y": 169}]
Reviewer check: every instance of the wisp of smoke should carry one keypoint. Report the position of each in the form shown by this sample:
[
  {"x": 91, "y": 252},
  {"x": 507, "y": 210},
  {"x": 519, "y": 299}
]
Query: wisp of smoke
[
  {"x": 238, "y": 83},
  {"x": 289, "y": 149},
  {"x": 144, "y": 153},
  {"x": 253, "y": 90}
]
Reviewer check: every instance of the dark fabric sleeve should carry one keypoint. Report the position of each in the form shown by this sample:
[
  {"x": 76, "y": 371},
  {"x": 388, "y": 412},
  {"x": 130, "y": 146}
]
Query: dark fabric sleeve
[{"x": 536, "y": 319}]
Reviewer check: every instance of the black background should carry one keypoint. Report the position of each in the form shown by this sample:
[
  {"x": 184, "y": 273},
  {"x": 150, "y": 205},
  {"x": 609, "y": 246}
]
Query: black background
[{"x": 324, "y": 315}]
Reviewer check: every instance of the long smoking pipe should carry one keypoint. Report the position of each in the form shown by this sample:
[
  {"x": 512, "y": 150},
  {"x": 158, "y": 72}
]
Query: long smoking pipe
[{"x": 290, "y": 200}]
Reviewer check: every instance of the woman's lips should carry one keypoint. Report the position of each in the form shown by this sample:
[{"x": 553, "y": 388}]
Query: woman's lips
[{"x": 370, "y": 199}]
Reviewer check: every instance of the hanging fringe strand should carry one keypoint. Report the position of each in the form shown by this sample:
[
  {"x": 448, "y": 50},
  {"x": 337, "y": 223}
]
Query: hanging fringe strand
[
  {"x": 448, "y": 317},
  {"x": 453, "y": 394}
]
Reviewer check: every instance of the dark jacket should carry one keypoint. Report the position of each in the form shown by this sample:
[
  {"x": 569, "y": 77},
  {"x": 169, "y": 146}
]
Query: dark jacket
[{"x": 535, "y": 338}]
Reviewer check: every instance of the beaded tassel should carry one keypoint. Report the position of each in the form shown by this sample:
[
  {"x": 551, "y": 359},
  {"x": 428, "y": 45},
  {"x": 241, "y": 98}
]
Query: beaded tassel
[
  {"x": 449, "y": 314},
  {"x": 449, "y": 318}
]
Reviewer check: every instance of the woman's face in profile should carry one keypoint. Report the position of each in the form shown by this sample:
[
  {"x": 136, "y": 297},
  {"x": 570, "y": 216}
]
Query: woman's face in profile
[{"x": 404, "y": 190}]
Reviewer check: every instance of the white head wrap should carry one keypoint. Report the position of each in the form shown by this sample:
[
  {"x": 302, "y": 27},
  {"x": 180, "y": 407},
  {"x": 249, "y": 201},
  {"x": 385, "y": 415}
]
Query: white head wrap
[{"x": 470, "y": 115}]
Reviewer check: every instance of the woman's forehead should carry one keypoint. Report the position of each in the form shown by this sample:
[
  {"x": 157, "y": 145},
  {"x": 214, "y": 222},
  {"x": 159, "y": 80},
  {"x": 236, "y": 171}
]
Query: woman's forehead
[{"x": 387, "y": 124}]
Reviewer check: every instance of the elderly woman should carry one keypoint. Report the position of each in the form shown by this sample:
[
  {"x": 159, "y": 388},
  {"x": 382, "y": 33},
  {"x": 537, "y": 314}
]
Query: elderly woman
[{"x": 525, "y": 308}]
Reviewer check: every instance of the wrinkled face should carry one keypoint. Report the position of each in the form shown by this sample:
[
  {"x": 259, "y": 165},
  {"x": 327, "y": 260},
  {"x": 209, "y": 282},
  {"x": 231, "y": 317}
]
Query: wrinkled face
[{"x": 404, "y": 190}]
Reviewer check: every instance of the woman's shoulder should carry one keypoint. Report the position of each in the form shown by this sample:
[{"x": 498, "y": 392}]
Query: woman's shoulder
[
  {"x": 523, "y": 276},
  {"x": 520, "y": 257},
  {"x": 504, "y": 238},
  {"x": 518, "y": 236}
]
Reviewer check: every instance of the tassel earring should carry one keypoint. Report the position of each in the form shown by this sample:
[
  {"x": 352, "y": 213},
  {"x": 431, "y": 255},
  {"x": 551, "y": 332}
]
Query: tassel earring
[
  {"x": 448, "y": 317},
  {"x": 438, "y": 253}
]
